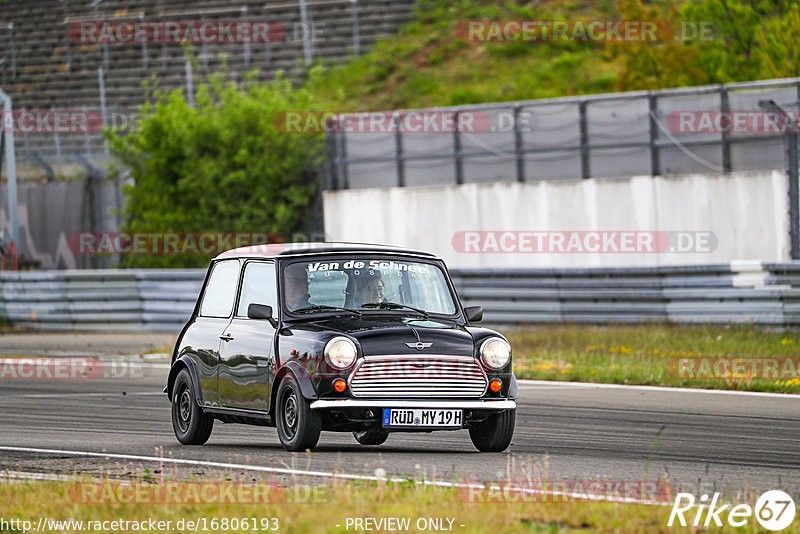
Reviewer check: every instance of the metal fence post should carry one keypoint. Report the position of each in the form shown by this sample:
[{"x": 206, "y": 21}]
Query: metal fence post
[
  {"x": 726, "y": 136},
  {"x": 330, "y": 157},
  {"x": 342, "y": 160},
  {"x": 794, "y": 195},
  {"x": 163, "y": 44},
  {"x": 356, "y": 31},
  {"x": 584, "y": 128},
  {"x": 57, "y": 142},
  {"x": 144, "y": 47},
  {"x": 246, "y": 41},
  {"x": 655, "y": 162},
  {"x": 268, "y": 44},
  {"x": 398, "y": 146},
  {"x": 459, "y": 162},
  {"x": 189, "y": 83},
  {"x": 103, "y": 111},
  {"x": 308, "y": 45},
  {"x": 792, "y": 164},
  {"x": 11, "y": 165},
  {"x": 518, "y": 148},
  {"x": 26, "y": 136},
  {"x": 86, "y": 141},
  {"x": 13, "y": 50},
  {"x": 105, "y": 55},
  {"x": 67, "y": 48}
]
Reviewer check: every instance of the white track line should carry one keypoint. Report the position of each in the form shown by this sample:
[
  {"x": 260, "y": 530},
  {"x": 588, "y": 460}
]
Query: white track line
[
  {"x": 330, "y": 474},
  {"x": 24, "y": 475},
  {"x": 57, "y": 395},
  {"x": 531, "y": 384}
]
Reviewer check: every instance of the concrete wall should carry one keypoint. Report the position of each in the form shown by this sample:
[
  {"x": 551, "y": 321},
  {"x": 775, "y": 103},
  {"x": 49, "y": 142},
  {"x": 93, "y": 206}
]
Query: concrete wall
[{"x": 741, "y": 216}]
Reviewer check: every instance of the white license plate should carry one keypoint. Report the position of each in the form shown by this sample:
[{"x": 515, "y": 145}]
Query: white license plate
[{"x": 423, "y": 418}]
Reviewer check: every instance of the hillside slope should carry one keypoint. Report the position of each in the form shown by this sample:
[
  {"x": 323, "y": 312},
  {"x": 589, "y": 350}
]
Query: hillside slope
[{"x": 433, "y": 61}]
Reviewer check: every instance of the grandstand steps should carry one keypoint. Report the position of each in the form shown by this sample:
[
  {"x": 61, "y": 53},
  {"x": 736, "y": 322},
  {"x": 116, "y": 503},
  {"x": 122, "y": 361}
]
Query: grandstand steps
[{"x": 55, "y": 72}]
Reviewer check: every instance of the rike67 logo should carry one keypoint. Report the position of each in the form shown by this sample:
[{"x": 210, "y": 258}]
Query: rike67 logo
[{"x": 774, "y": 510}]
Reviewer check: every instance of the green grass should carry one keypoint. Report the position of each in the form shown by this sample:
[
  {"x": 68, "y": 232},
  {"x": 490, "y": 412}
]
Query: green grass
[
  {"x": 61, "y": 500},
  {"x": 430, "y": 62},
  {"x": 645, "y": 354}
]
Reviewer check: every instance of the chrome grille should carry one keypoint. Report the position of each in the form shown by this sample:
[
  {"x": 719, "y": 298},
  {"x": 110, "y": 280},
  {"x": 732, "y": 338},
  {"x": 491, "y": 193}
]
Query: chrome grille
[{"x": 418, "y": 376}]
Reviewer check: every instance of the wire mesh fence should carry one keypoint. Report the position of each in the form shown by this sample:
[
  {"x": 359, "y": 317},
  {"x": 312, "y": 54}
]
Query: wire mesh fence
[{"x": 719, "y": 128}]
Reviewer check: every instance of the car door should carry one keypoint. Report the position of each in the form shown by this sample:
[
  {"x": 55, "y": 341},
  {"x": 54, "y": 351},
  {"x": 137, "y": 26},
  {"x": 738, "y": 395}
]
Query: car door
[
  {"x": 216, "y": 308},
  {"x": 247, "y": 354}
]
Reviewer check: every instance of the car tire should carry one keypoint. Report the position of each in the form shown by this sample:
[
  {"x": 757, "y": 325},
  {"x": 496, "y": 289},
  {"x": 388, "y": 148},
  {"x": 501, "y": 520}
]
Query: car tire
[
  {"x": 371, "y": 437},
  {"x": 494, "y": 434},
  {"x": 298, "y": 425},
  {"x": 191, "y": 425}
]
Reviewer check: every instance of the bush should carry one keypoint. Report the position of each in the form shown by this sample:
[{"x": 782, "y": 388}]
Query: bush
[{"x": 222, "y": 165}]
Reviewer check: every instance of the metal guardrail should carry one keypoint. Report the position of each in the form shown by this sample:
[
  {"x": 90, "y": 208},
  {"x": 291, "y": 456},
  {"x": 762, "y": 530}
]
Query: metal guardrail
[
  {"x": 749, "y": 292},
  {"x": 162, "y": 300},
  {"x": 156, "y": 300}
]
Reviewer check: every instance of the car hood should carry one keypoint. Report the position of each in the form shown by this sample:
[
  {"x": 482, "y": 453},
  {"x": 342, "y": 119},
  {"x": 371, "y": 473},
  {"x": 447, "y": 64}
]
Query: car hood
[{"x": 391, "y": 334}]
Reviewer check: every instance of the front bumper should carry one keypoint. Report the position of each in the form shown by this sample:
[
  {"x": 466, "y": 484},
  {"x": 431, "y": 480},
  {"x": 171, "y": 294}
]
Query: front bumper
[{"x": 499, "y": 404}]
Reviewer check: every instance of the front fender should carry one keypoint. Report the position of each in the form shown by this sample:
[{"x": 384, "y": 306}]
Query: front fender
[
  {"x": 302, "y": 376},
  {"x": 513, "y": 388}
]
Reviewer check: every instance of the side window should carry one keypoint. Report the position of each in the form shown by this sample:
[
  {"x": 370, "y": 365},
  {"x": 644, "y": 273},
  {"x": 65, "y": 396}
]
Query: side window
[
  {"x": 220, "y": 290},
  {"x": 258, "y": 287}
]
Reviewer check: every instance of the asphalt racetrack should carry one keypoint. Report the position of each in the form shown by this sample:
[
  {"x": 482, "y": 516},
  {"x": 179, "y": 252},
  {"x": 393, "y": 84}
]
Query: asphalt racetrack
[{"x": 700, "y": 440}]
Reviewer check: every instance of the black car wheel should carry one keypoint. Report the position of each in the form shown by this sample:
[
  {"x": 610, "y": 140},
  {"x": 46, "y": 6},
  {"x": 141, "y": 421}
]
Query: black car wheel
[
  {"x": 371, "y": 437},
  {"x": 298, "y": 425},
  {"x": 191, "y": 425},
  {"x": 494, "y": 434}
]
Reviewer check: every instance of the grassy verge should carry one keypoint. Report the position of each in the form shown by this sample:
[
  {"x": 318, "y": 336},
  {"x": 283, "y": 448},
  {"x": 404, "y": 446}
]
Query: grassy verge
[
  {"x": 652, "y": 355},
  {"x": 57, "y": 500}
]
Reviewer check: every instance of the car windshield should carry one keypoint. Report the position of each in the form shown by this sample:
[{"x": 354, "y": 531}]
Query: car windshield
[{"x": 366, "y": 284}]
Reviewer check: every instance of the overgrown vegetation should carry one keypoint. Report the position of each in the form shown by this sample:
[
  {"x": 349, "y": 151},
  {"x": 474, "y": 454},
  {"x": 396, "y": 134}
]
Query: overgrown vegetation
[
  {"x": 432, "y": 63},
  {"x": 222, "y": 165},
  {"x": 650, "y": 355}
]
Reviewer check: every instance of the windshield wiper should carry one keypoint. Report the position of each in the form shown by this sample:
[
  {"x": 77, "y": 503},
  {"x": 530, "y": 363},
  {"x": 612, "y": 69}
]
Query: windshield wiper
[
  {"x": 325, "y": 307},
  {"x": 394, "y": 306}
]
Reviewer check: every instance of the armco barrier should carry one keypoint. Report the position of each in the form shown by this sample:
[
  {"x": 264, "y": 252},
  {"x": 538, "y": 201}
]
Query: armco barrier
[
  {"x": 739, "y": 292},
  {"x": 157, "y": 300},
  {"x": 161, "y": 300}
]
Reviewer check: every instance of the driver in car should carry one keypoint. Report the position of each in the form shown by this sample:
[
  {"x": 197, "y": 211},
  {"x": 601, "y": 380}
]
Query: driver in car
[
  {"x": 372, "y": 291},
  {"x": 296, "y": 289}
]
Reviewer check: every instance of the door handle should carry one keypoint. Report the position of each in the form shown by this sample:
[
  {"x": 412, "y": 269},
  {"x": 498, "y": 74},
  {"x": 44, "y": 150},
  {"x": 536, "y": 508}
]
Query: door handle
[{"x": 226, "y": 337}]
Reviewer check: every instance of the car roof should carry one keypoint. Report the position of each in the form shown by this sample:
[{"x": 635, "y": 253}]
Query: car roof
[{"x": 275, "y": 250}]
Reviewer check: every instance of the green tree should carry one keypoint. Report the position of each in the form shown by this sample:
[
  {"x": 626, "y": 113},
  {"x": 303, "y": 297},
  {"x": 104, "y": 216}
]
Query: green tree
[
  {"x": 749, "y": 40},
  {"x": 223, "y": 165}
]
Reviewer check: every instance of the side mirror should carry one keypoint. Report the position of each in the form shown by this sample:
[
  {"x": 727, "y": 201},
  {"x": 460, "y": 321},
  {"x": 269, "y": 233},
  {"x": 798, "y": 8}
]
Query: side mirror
[
  {"x": 474, "y": 314},
  {"x": 260, "y": 311}
]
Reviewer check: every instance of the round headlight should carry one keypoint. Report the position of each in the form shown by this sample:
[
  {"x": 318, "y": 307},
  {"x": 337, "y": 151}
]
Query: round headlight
[
  {"x": 340, "y": 352},
  {"x": 495, "y": 352}
]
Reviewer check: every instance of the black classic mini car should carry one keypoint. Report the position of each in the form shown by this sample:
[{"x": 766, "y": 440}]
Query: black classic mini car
[{"x": 338, "y": 337}]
